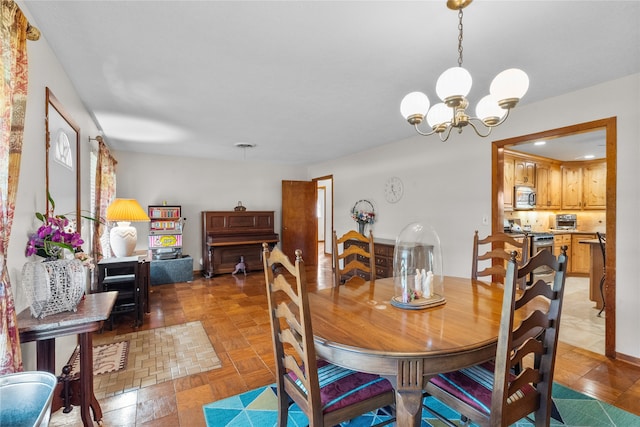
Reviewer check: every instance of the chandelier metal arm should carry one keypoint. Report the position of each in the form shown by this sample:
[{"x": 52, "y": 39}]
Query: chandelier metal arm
[
  {"x": 415, "y": 126},
  {"x": 476, "y": 127},
  {"x": 444, "y": 135}
]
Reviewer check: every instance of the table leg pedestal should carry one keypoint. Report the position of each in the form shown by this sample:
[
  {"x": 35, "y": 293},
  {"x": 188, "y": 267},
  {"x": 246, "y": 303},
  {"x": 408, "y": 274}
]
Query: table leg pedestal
[{"x": 408, "y": 385}]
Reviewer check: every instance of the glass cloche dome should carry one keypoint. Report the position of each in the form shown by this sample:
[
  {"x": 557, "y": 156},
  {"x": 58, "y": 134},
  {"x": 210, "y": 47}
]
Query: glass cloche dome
[{"x": 417, "y": 268}]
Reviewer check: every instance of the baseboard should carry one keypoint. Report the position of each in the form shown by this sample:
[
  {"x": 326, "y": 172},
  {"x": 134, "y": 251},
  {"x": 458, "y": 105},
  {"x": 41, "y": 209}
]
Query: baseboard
[{"x": 629, "y": 359}]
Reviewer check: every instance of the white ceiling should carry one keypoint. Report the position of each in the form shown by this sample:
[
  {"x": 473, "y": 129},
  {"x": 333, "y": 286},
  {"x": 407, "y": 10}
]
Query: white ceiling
[{"x": 308, "y": 81}]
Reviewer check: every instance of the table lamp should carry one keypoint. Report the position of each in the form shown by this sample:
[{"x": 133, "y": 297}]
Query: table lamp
[{"x": 123, "y": 237}]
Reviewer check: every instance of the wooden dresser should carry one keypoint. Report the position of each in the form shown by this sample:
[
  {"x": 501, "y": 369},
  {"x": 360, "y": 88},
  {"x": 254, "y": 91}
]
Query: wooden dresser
[
  {"x": 229, "y": 235},
  {"x": 383, "y": 249}
]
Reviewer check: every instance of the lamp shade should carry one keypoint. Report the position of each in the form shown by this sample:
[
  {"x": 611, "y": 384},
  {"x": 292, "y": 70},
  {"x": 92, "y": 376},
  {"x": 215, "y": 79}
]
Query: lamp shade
[
  {"x": 128, "y": 210},
  {"x": 511, "y": 83},
  {"x": 414, "y": 103},
  {"x": 439, "y": 114},
  {"x": 488, "y": 108},
  {"x": 123, "y": 237},
  {"x": 455, "y": 81}
]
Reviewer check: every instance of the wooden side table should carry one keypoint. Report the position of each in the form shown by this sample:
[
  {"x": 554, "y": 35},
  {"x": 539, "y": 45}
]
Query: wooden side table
[
  {"x": 91, "y": 312},
  {"x": 130, "y": 277}
]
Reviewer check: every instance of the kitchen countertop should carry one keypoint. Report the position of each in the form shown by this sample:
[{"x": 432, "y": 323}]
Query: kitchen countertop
[{"x": 558, "y": 231}]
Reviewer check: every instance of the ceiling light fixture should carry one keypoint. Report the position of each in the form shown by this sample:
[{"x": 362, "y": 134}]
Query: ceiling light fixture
[
  {"x": 244, "y": 146},
  {"x": 453, "y": 85}
]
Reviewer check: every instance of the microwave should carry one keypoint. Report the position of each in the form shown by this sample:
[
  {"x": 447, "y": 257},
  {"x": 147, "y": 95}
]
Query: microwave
[
  {"x": 566, "y": 221},
  {"x": 524, "y": 197}
]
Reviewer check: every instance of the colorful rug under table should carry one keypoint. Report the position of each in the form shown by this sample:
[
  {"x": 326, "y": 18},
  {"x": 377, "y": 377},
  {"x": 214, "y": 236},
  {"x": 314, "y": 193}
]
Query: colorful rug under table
[{"x": 259, "y": 408}]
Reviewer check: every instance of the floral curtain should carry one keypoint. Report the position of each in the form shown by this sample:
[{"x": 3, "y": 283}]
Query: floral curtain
[
  {"x": 105, "y": 192},
  {"x": 13, "y": 102}
]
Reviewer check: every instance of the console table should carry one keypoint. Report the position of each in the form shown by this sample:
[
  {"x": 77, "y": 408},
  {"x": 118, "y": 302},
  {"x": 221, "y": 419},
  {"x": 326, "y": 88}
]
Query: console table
[
  {"x": 229, "y": 235},
  {"x": 92, "y": 310}
]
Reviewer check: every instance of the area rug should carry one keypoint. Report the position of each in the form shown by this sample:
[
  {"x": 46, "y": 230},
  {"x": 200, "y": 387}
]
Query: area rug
[
  {"x": 158, "y": 355},
  {"x": 259, "y": 408},
  {"x": 106, "y": 358}
]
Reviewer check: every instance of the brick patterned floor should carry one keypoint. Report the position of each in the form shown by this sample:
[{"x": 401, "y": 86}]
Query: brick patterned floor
[{"x": 158, "y": 355}]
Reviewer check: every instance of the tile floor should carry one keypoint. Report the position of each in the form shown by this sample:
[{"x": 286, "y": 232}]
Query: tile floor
[
  {"x": 232, "y": 310},
  {"x": 581, "y": 326}
]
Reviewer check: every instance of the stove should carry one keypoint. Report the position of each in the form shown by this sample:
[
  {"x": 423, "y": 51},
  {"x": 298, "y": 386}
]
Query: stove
[
  {"x": 540, "y": 241},
  {"x": 541, "y": 236}
]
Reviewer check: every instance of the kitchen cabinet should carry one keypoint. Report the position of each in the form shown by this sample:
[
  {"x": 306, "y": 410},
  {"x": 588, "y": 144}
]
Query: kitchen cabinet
[
  {"x": 580, "y": 255},
  {"x": 548, "y": 186},
  {"x": 507, "y": 188},
  {"x": 594, "y": 190},
  {"x": 524, "y": 172},
  {"x": 584, "y": 185},
  {"x": 560, "y": 240}
]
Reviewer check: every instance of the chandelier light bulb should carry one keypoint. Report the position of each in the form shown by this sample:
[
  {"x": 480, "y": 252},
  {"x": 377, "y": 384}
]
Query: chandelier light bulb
[
  {"x": 439, "y": 114},
  {"x": 488, "y": 110},
  {"x": 510, "y": 84},
  {"x": 454, "y": 82},
  {"x": 414, "y": 104}
]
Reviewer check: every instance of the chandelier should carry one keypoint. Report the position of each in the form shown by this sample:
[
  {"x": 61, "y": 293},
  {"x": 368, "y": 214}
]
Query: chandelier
[{"x": 452, "y": 87}]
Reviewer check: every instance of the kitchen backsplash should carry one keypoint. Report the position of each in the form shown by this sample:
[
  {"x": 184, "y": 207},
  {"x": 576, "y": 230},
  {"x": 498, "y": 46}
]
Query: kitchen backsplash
[{"x": 589, "y": 221}]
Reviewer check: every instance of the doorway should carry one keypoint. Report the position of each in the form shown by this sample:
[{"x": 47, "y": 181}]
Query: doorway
[
  {"x": 324, "y": 205},
  {"x": 498, "y": 206}
]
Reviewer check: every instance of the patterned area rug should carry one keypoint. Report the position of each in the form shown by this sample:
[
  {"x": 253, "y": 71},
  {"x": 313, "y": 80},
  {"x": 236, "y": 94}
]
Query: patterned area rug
[
  {"x": 259, "y": 408},
  {"x": 106, "y": 358}
]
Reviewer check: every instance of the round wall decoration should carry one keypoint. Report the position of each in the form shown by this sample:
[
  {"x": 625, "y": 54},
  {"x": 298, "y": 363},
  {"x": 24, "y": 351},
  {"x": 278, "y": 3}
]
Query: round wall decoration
[{"x": 393, "y": 189}]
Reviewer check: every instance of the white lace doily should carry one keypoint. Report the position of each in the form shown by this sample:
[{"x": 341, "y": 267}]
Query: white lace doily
[{"x": 53, "y": 286}]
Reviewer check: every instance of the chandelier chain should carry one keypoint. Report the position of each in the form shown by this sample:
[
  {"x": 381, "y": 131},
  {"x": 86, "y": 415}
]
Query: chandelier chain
[{"x": 460, "y": 38}]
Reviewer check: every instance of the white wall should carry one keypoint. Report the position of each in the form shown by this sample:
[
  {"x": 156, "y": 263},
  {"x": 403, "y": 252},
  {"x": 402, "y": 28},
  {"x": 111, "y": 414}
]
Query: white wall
[
  {"x": 198, "y": 185},
  {"x": 448, "y": 184},
  {"x": 44, "y": 71}
]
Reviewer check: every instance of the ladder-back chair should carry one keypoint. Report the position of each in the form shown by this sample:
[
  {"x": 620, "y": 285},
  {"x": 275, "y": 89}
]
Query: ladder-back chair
[
  {"x": 491, "y": 394},
  {"x": 497, "y": 249},
  {"x": 358, "y": 259},
  {"x": 326, "y": 393}
]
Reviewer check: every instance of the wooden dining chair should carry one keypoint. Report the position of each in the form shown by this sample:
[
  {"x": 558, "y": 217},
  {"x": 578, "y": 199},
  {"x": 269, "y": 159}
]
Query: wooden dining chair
[
  {"x": 357, "y": 257},
  {"x": 491, "y": 394},
  {"x": 326, "y": 393},
  {"x": 497, "y": 249}
]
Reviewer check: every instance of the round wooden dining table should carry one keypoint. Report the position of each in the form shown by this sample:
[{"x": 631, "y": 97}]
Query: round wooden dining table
[{"x": 357, "y": 327}]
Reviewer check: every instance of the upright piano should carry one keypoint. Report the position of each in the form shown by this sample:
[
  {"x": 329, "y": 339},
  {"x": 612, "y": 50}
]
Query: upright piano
[{"x": 229, "y": 236}]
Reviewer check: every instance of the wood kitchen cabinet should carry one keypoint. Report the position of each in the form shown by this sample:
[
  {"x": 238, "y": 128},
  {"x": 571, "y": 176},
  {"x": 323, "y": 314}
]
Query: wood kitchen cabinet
[
  {"x": 509, "y": 171},
  {"x": 580, "y": 255},
  {"x": 594, "y": 188},
  {"x": 584, "y": 185},
  {"x": 524, "y": 172},
  {"x": 560, "y": 240},
  {"x": 548, "y": 186}
]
